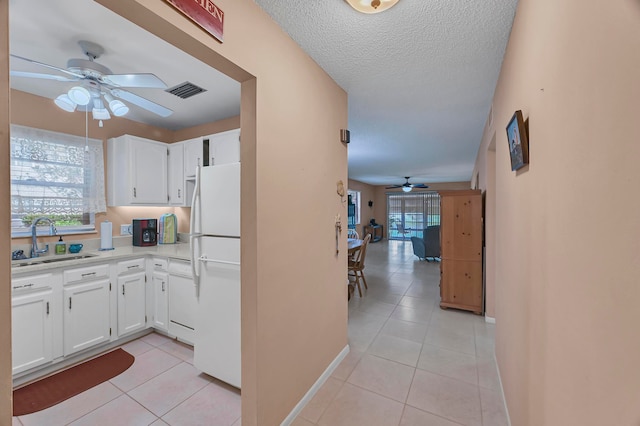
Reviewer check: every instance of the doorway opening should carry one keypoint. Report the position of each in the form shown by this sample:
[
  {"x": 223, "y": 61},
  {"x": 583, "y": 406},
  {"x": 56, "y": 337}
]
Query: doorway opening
[{"x": 409, "y": 214}]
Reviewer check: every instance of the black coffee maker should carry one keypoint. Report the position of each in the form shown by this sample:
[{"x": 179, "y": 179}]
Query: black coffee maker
[{"x": 145, "y": 232}]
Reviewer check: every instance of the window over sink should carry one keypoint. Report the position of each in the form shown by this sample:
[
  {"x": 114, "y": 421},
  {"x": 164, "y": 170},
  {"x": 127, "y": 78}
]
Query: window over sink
[{"x": 56, "y": 175}]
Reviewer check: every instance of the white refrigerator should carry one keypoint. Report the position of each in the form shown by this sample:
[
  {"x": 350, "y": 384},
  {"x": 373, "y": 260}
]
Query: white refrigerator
[{"x": 215, "y": 260}]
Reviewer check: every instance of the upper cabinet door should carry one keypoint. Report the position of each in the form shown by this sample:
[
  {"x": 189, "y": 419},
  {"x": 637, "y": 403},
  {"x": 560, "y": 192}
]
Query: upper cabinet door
[
  {"x": 149, "y": 171},
  {"x": 136, "y": 172},
  {"x": 224, "y": 148},
  {"x": 176, "y": 175},
  {"x": 193, "y": 157}
]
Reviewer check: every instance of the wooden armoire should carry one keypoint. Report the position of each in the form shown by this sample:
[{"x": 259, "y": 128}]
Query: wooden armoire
[{"x": 461, "y": 250}]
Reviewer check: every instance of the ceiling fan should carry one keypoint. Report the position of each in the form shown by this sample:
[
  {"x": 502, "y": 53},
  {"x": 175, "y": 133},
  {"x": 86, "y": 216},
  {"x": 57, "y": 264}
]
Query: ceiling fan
[
  {"x": 407, "y": 187},
  {"x": 97, "y": 86}
]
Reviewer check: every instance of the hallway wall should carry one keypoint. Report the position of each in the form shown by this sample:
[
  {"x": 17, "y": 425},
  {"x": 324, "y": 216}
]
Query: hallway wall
[{"x": 566, "y": 246}]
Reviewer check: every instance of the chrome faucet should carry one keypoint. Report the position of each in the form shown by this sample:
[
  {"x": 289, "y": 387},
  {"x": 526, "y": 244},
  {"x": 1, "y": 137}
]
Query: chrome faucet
[{"x": 35, "y": 252}]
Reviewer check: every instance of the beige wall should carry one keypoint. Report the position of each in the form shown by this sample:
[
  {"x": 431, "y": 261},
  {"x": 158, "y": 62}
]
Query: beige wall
[
  {"x": 565, "y": 243},
  {"x": 294, "y": 310},
  {"x": 5, "y": 218},
  {"x": 42, "y": 113}
]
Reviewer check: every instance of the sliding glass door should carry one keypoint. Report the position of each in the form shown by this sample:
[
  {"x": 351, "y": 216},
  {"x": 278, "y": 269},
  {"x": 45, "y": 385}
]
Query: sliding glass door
[{"x": 409, "y": 214}]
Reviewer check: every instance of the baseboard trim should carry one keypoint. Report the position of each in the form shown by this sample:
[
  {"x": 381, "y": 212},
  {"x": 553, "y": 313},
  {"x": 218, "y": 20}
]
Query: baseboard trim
[
  {"x": 489, "y": 320},
  {"x": 504, "y": 400},
  {"x": 316, "y": 386}
]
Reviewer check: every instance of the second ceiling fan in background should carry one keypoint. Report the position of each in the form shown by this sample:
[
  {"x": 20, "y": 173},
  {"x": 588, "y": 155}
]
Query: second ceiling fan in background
[{"x": 407, "y": 187}]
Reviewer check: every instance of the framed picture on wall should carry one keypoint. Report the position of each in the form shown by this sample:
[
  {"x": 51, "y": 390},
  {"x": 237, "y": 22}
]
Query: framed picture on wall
[{"x": 518, "y": 142}]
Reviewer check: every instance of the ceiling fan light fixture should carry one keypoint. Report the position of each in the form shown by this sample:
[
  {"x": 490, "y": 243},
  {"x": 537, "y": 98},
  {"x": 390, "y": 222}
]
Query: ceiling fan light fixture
[
  {"x": 407, "y": 188},
  {"x": 99, "y": 112},
  {"x": 371, "y": 6},
  {"x": 64, "y": 102},
  {"x": 79, "y": 95},
  {"x": 117, "y": 107}
]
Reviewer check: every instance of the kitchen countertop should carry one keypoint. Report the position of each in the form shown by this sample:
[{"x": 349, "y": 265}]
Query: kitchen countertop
[{"x": 179, "y": 250}]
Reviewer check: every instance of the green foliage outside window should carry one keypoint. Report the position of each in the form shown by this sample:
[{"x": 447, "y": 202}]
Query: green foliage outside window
[{"x": 58, "y": 219}]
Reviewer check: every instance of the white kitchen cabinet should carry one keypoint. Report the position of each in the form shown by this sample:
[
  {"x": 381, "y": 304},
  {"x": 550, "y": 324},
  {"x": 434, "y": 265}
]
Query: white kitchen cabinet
[
  {"x": 224, "y": 148},
  {"x": 137, "y": 171},
  {"x": 131, "y": 303},
  {"x": 34, "y": 314},
  {"x": 160, "y": 284},
  {"x": 176, "y": 175},
  {"x": 86, "y": 314},
  {"x": 193, "y": 156}
]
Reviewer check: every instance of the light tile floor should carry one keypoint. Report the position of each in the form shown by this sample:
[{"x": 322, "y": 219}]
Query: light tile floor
[
  {"x": 161, "y": 388},
  {"x": 410, "y": 364}
]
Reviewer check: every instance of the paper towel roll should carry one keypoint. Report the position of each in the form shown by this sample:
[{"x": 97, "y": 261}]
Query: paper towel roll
[{"x": 106, "y": 236}]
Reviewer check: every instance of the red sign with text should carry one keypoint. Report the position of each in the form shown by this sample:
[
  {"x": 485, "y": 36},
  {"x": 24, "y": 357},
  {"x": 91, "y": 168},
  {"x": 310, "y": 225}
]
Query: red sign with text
[{"x": 204, "y": 13}]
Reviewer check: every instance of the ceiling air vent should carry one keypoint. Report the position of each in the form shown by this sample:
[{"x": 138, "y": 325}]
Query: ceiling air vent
[{"x": 185, "y": 90}]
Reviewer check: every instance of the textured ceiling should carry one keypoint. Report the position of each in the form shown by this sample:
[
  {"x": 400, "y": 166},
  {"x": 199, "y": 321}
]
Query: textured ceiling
[
  {"x": 48, "y": 31},
  {"x": 420, "y": 79}
]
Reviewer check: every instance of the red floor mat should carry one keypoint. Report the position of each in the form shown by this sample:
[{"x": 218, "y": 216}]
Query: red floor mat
[{"x": 54, "y": 389}]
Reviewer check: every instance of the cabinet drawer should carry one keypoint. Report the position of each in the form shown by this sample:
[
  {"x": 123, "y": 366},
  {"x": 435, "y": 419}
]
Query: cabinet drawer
[
  {"x": 181, "y": 268},
  {"x": 31, "y": 283},
  {"x": 160, "y": 264},
  {"x": 86, "y": 274},
  {"x": 130, "y": 266}
]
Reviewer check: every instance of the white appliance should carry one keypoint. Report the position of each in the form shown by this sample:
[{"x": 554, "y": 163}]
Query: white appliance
[{"x": 215, "y": 260}]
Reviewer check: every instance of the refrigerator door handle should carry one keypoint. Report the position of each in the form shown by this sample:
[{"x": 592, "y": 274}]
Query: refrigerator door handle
[
  {"x": 195, "y": 206},
  {"x": 205, "y": 259},
  {"x": 195, "y": 233},
  {"x": 194, "y": 264}
]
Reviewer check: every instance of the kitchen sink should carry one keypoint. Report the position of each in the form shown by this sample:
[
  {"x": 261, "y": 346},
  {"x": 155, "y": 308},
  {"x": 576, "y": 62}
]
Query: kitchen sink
[
  {"x": 39, "y": 260},
  {"x": 62, "y": 259}
]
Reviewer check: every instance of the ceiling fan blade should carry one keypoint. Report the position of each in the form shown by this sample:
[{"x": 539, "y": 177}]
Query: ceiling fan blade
[
  {"x": 394, "y": 186},
  {"x": 41, "y": 76},
  {"x": 142, "y": 102},
  {"x": 420, "y": 185},
  {"x": 134, "y": 80},
  {"x": 62, "y": 70}
]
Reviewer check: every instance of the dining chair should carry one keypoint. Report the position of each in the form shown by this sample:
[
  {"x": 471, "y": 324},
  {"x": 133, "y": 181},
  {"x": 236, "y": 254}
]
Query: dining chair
[
  {"x": 402, "y": 230},
  {"x": 356, "y": 265},
  {"x": 352, "y": 233}
]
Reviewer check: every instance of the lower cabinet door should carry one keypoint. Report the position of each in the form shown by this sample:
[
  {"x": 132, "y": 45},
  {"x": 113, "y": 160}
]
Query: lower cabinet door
[
  {"x": 183, "y": 305},
  {"x": 160, "y": 299},
  {"x": 461, "y": 285},
  {"x": 32, "y": 331},
  {"x": 131, "y": 303},
  {"x": 86, "y": 315}
]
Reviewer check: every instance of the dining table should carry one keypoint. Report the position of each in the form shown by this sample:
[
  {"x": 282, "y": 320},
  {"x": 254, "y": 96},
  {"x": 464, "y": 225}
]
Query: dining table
[{"x": 353, "y": 244}]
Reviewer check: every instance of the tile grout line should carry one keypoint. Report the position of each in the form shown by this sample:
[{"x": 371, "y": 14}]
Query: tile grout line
[{"x": 119, "y": 396}]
